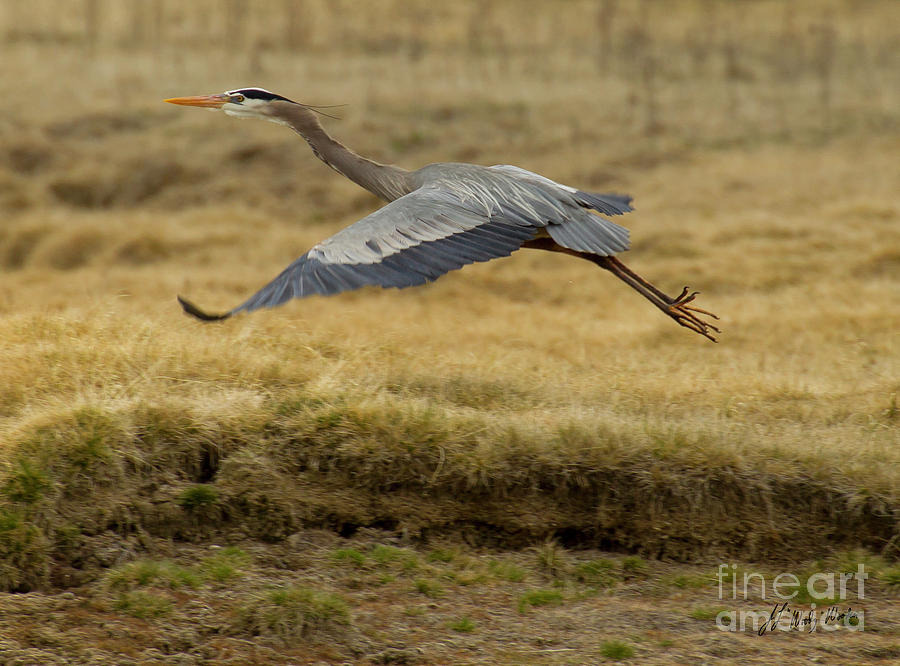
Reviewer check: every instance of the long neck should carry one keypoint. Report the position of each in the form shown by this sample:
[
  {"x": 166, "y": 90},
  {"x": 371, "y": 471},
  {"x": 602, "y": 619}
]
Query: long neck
[{"x": 385, "y": 181}]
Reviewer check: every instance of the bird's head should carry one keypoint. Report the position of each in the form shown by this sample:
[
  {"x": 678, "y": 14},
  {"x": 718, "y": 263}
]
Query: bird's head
[{"x": 242, "y": 103}]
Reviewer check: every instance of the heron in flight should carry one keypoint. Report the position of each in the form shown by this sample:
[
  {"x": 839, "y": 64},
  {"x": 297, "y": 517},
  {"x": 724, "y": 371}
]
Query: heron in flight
[{"x": 439, "y": 218}]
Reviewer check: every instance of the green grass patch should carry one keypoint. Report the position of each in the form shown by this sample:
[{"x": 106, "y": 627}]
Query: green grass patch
[
  {"x": 463, "y": 625},
  {"x": 26, "y": 483},
  {"x": 143, "y": 604},
  {"x": 819, "y": 587},
  {"x": 890, "y": 576},
  {"x": 349, "y": 556},
  {"x": 551, "y": 559},
  {"x": 634, "y": 566},
  {"x": 71, "y": 452},
  {"x": 429, "y": 588},
  {"x": 152, "y": 573},
  {"x": 507, "y": 571},
  {"x": 290, "y": 614},
  {"x": 688, "y": 581},
  {"x": 220, "y": 567},
  {"x": 392, "y": 556},
  {"x": 24, "y": 554},
  {"x": 534, "y": 598},
  {"x": 198, "y": 497},
  {"x": 705, "y": 612},
  {"x": 441, "y": 555},
  {"x": 386, "y": 554},
  {"x": 67, "y": 538},
  {"x": 616, "y": 650},
  {"x": 598, "y": 573},
  {"x": 224, "y": 565},
  {"x": 79, "y": 440},
  {"x": 848, "y": 561}
]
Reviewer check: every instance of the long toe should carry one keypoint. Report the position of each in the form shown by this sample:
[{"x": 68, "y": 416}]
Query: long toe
[{"x": 684, "y": 315}]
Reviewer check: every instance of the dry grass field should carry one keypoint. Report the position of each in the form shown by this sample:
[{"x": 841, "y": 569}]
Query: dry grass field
[{"x": 523, "y": 462}]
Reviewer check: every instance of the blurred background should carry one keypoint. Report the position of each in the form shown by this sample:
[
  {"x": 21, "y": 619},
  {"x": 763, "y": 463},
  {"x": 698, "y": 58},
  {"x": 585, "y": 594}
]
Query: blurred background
[
  {"x": 595, "y": 88},
  {"x": 758, "y": 137}
]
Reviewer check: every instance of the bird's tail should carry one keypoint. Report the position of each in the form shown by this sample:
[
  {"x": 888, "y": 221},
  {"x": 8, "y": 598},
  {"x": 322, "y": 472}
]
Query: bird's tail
[
  {"x": 608, "y": 204},
  {"x": 590, "y": 233}
]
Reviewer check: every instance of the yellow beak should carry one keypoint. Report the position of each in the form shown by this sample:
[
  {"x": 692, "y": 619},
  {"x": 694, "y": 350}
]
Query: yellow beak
[{"x": 205, "y": 101}]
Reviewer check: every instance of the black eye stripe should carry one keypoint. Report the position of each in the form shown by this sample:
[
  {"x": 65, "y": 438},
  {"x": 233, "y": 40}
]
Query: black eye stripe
[{"x": 255, "y": 93}]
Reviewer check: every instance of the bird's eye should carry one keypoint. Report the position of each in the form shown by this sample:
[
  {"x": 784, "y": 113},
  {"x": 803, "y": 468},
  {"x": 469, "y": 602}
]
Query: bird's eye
[{"x": 237, "y": 98}]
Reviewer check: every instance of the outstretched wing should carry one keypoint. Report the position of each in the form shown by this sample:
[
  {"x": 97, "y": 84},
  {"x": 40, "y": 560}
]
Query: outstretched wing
[
  {"x": 472, "y": 214},
  {"x": 410, "y": 241}
]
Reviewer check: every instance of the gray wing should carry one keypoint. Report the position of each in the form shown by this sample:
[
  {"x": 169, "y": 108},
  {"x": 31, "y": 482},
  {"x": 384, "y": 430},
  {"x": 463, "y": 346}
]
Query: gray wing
[
  {"x": 476, "y": 214},
  {"x": 608, "y": 204},
  {"x": 582, "y": 232},
  {"x": 410, "y": 241}
]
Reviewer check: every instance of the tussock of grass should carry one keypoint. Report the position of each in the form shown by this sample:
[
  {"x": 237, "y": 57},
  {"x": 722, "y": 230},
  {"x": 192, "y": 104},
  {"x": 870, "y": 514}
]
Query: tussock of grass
[
  {"x": 441, "y": 555},
  {"x": 224, "y": 565},
  {"x": 199, "y": 496},
  {"x": 891, "y": 577},
  {"x": 598, "y": 573},
  {"x": 848, "y": 561},
  {"x": 552, "y": 559},
  {"x": 24, "y": 554},
  {"x": 685, "y": 581},
  {"x": 152, "y": 573},
  {"x": 464, "y": 625},
  {"x": 706, "y": 612},
  {"x": 633, "y": 566},
  {"x": 349, "y": 556},
  {"x": 395, "y": 558},
  {"x": 429, "y": 588},
  {"x": 616, "y": 650},
  {"x": 25, "y": 484},
  {"x": 507, "y": 571},
  {"x": 534, "y": 598},
  {"x": 144, "y": 605},
  {"x": 818, "y": 595},
  {"x": 291, "y": 614}
]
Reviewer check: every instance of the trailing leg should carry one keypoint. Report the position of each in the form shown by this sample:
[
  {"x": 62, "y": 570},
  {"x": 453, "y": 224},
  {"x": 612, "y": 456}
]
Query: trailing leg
[{"x": 678, "y": 308}]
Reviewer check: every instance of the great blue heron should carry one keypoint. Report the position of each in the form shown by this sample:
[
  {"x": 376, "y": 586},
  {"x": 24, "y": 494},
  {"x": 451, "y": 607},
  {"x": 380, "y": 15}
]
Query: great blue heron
[{"x": 440, "y": 218}]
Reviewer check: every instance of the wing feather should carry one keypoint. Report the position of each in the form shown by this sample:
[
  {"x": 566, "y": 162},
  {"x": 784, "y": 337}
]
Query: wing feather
[
  {"x": 471, "y": 214},
  {"x": 409, "y": 242},
  {"x": 584, "y": 233}
]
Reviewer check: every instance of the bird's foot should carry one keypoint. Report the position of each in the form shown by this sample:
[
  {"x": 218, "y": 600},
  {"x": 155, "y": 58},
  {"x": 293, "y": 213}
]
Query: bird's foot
[{"x": 688, "y": 315}]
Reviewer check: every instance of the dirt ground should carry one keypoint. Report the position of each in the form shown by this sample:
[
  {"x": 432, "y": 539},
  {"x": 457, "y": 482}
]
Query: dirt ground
[{"x": 432, "y": 605}]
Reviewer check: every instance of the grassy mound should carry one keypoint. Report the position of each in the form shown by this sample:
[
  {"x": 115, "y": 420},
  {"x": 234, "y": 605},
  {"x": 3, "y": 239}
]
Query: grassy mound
[
  {"x": 303, "y": 463},
  {"x": 509, "y": 402}
]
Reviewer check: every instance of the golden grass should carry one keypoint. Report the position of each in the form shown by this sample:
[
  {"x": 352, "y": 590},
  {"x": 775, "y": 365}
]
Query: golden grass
[{"x": 536, "y": 376}]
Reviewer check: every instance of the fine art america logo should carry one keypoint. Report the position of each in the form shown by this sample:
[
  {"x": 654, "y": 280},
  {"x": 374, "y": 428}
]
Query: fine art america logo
[{"x": 827, "y": 592}]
